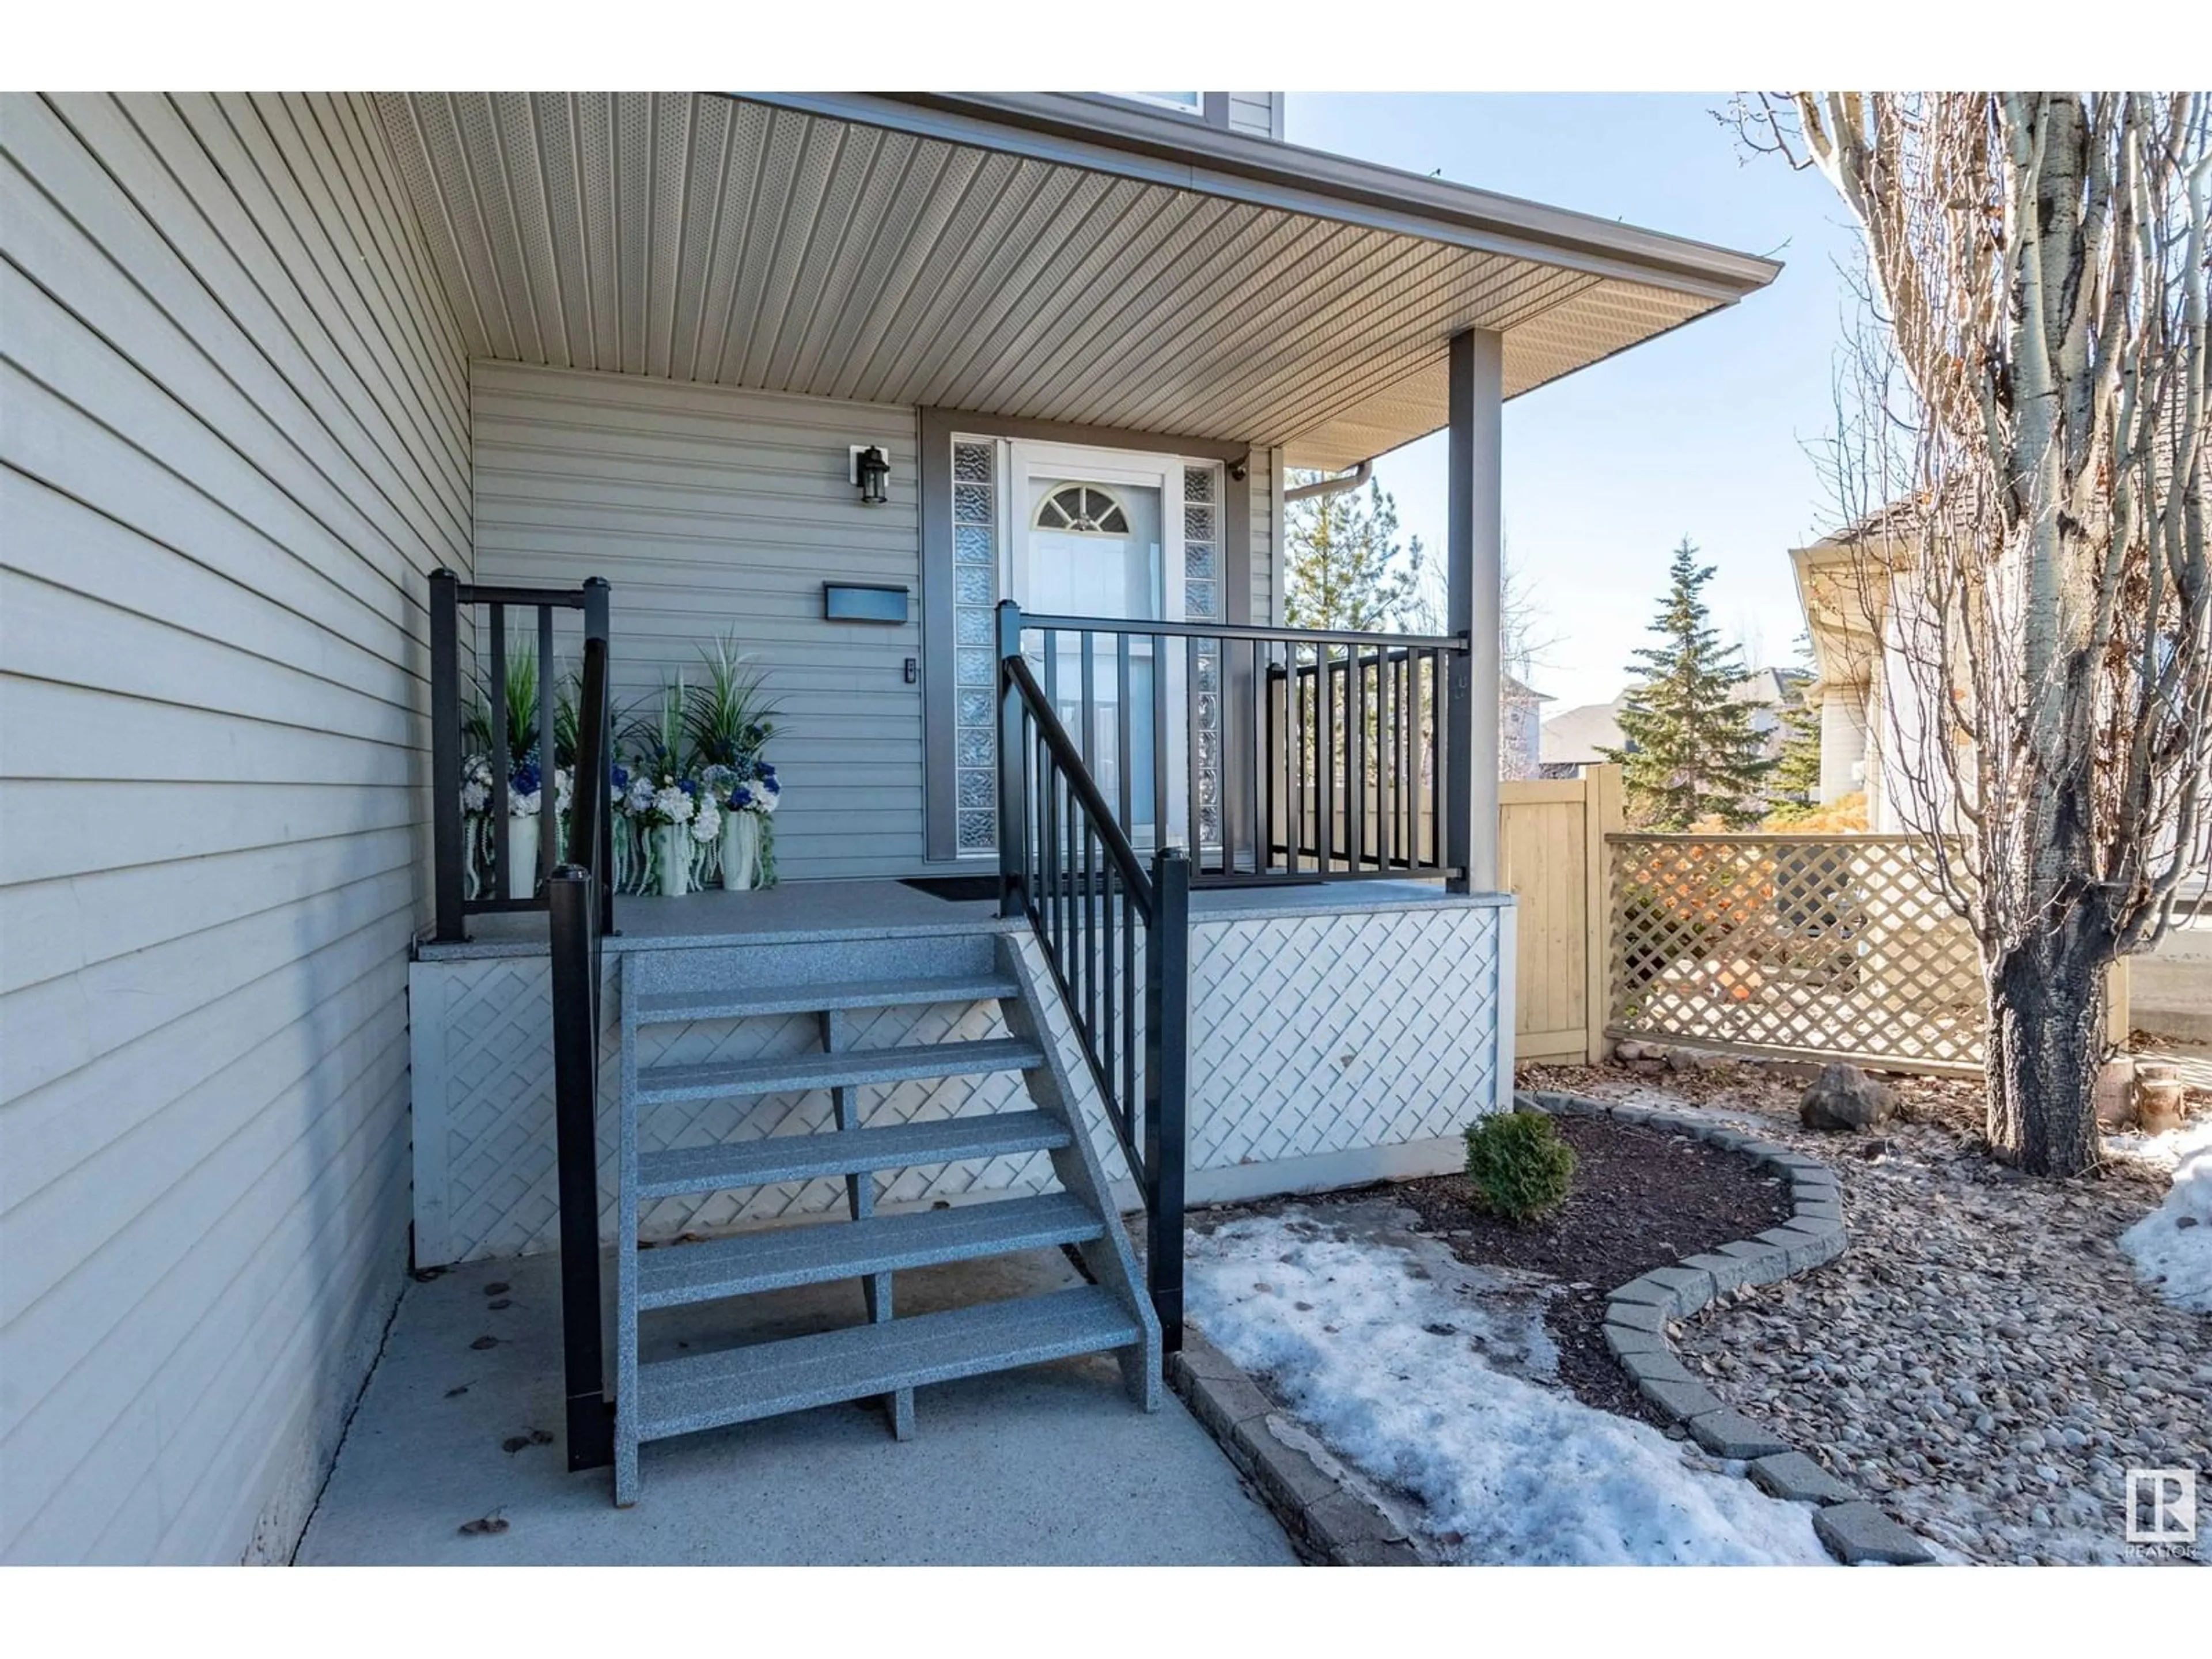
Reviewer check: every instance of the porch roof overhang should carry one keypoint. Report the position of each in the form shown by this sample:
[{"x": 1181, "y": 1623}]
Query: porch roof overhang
[{"x": 1039, "y": 257}]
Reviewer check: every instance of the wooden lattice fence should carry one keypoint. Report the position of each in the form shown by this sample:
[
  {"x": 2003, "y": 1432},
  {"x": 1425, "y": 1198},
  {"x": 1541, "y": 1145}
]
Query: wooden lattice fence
[{"x": 1811, "y": 946}]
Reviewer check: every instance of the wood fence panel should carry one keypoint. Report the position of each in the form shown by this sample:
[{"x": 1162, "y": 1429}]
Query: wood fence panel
[{"x": 1551, "y": 840}]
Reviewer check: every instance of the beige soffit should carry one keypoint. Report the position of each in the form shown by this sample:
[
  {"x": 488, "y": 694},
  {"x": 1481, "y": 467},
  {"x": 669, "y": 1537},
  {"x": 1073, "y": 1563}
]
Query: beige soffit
[{"x": 903, "y": 251}]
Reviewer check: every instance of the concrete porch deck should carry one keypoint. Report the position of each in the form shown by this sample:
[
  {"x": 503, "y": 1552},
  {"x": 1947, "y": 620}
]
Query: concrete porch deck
[{"x": 1048, "y": 1465}]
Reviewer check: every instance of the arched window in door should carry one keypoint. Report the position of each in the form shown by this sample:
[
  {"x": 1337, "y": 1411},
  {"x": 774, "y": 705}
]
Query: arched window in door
[{"x": 1083, "y": 509}]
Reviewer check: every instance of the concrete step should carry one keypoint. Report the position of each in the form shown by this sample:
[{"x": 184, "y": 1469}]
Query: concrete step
[
  {"x": 674, "y": 1007},
  {"x": 717, "y": 1079},
  {"x": 813, "y": 1255},
  {"x": 758, "y": 1163},
  {"x": 705, "y": 1391}
]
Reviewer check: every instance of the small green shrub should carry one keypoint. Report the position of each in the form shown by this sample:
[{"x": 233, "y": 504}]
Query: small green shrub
[{"x": 1519, "y": 1166}]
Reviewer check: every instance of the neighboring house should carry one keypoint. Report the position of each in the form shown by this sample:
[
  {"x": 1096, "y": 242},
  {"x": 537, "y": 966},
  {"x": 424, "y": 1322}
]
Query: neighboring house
[
  {"x": 1871, "y": 723},
  {"x": 1520, "y": 728},
  {"x": 1572, "y": 740},
  {"x": 760, "y": 362},
  {"x": 1577, "y": 738},
  {"x": 1844, "y": 617}
]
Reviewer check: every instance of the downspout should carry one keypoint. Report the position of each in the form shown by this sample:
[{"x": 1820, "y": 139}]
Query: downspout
[{"x": 1336, "y": 486}]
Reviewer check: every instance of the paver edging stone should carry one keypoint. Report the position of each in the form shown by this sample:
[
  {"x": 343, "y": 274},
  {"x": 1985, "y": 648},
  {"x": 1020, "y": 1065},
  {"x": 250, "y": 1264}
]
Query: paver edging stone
[
  {"x": 1330, "y": 1524},
  {"x": 1638, "y": 1312}
]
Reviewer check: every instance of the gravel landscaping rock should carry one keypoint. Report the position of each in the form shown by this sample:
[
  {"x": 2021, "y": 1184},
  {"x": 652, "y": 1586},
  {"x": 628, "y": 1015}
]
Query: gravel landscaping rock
[
  {"x": 1983, "y": 1365},
  {"x": 1844, "y": 1098}
]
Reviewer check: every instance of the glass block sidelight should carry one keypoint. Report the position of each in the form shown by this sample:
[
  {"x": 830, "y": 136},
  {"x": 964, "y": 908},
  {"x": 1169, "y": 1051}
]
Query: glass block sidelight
[
  {"x": 1202, "y": 602},
  {"x": 975, "y": 630}
]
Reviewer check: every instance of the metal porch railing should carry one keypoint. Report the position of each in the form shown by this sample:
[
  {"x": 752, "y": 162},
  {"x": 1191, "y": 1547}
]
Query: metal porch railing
[
  {"x": 450, "y": 833},
  {"x": 1272, "y": 755}
]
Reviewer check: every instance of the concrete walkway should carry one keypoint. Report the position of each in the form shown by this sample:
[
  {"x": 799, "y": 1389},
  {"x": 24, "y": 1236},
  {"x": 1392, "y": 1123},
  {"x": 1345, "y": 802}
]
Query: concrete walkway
[{"x": 1052, "y": 1465}]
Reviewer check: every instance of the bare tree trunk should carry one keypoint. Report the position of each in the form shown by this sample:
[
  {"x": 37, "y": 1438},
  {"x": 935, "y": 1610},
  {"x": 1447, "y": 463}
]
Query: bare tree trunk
[{"x": 2046, "y": 1043}]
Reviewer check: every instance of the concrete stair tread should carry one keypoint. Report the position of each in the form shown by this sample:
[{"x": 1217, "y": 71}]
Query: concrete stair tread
[
  {"x": 799, "y": 1074},
  {"x": 672, "y": 1007},
  {"x": 732, "y": 1165},
  {"x": 705, "y": 1391},
  {"x": 772, "y": 1261}
]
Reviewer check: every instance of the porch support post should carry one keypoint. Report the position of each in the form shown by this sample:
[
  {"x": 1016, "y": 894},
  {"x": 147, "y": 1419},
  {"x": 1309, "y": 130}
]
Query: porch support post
[
  {"x": 1473, "y": 570},
  {"x": 446, "y": 755}
]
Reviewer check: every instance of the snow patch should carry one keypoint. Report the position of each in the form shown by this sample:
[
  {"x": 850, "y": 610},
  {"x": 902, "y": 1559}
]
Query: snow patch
[
  {"x": 1391, "y": 1366},
  {"x": 2172, "y": 1245}
]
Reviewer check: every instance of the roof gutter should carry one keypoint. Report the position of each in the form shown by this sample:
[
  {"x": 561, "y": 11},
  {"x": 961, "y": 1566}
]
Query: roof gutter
[
  {"x": 1336, "y": 486},
  {"x": 1107, "y": 135}
]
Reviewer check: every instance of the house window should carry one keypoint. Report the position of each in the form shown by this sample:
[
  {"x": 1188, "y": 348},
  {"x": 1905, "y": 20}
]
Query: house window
[
  {"x": 1184, "y": 103},
  {"x": 975, "y": 655}
]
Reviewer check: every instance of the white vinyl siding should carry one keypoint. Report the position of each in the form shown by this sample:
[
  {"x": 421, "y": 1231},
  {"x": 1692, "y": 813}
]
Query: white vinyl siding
[
  {"x": 710, "y": 509},
  {"x": 236, "y": 442},
  {"x": 1259, "y": 114},
  {"x": 1843, "y": 745},
  {"x": 1266, "y": 483}
]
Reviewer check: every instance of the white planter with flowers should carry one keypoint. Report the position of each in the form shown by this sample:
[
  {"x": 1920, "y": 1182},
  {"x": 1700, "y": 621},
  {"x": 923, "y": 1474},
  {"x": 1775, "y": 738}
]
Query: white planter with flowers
[
  {"x": 747, "y": 797},
  {"x": 524, "y": 804},
  {"x": 679, "y": 820},
  {"x": 522, "y": 853}
]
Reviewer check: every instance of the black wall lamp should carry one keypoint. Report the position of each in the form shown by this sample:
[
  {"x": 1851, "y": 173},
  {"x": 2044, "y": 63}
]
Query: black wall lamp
[{"x": 871, "y": 471}]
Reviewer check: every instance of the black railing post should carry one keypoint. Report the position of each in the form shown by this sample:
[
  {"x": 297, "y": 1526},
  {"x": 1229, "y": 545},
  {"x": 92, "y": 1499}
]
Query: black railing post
[
  {"x": 1456, "y": 712},
  {"x": 596, "y": 627},
  {"x": 548, "y": 759},
  {"x": 1167, "y": 1076},
  {"x": 446, "y": 840},
  {"x": 1013, "y": 814},
  {"x": 575, "y": 1115},
  {"x": 501, "y": 761}
]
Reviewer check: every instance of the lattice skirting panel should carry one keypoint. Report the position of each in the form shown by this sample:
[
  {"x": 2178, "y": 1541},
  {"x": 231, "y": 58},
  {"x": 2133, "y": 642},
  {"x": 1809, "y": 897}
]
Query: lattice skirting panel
[
  {"x": 1311, "y": 1035},
  {"x": 1329, "y": 1033},
  {"x": 1823, "y": 947}
]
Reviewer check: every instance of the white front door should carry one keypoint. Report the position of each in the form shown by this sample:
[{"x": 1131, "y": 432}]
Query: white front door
[{"x": 1098, "y": 533}]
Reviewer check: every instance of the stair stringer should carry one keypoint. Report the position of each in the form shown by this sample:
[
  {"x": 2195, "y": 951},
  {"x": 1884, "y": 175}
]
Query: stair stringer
[{"x": 1109, "y": 1259}]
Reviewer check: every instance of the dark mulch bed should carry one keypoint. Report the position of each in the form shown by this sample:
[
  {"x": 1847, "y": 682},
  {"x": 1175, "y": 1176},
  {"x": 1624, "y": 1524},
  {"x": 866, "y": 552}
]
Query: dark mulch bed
[{"x": 1642, "y": 1199}]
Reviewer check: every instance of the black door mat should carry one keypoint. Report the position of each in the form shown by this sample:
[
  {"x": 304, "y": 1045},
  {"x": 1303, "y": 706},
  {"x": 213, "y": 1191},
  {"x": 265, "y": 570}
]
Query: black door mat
[{"x": 961, "y": 888}]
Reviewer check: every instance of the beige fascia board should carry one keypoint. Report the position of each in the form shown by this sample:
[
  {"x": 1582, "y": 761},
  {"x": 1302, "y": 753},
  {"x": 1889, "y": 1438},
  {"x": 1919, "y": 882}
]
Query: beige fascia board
[{"x": 1105, "y": 135}]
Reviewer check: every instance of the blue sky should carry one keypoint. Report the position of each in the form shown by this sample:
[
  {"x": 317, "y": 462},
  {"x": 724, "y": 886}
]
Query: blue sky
[{"x": 1702, "y": 432}]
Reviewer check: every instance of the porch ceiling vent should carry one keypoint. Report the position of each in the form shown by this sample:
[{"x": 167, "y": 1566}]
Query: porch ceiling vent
[{"x": 1083, "y": 509}]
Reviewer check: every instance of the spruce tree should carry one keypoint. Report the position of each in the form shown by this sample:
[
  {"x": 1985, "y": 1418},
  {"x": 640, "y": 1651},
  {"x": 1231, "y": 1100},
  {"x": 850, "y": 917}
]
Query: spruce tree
[
  {"x": 1796, "y": 788},
  {"x": 1344, "y": 567},
  {"x": 1690, "y": 752}
]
